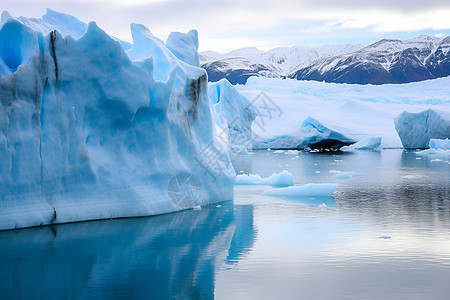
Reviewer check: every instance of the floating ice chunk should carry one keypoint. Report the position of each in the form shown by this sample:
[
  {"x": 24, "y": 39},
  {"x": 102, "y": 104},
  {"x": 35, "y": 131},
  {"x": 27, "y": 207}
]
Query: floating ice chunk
[
  {"x": 371, "y": 143},
  {"x": 283, "y": 178},
  {"x": 251, "y": 179},
  {"x": 436, "y": 160},
  {"x": 344, "y": 175},
  {"x": 291, "y": 152},
  {"x": 311, "y": 134},
  {"x": 435, "y": 152},
  {"x": 440, "y": 144},
  {"x": 429, "y": 151},
  {"x": 278, "y": 151},
  {"x": 310, "y": 189},
  {"x": 416, "y": 129},
  {"x": 323, "y": 205},
  {"x": 197, "y": 207}
]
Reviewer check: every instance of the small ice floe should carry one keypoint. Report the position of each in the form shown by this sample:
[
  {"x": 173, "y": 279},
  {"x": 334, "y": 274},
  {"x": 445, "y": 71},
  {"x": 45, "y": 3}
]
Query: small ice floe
[
  {"x": 323, "y": 205},
  {"x": 418, "y": 157},
  {"x": 310, "y": 190},
  {"x": 197, "y": 207},
  {"x": 278, "y": 151},
  {"x": 440, "y": 144},
  {"x": 344, "y": 175},
  {"x": 370, "y": 143},
  {"x": 436, "y": 160},
  {"x": 219, "y": 206},
  {"x": 412, "y": 176},
  {"x": 385, "y": 237},
  {"x": 317, "y": 172},
  {"x": 292, "y": 152},
  {"x": 284, "y": 178}
]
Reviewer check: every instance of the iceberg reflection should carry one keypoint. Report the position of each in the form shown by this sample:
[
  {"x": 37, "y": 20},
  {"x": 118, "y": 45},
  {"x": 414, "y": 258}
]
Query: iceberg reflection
[{"x": 172, "y": 256}]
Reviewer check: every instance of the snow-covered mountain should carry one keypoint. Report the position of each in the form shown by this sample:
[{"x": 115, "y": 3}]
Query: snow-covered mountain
[
  {"x": 240, "y": 64},
  {"x": 386, "y": 61}
]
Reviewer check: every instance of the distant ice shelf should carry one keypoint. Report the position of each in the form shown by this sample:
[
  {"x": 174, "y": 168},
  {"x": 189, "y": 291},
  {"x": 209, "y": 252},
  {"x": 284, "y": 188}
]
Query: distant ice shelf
[{"x": 355, "y": 111}]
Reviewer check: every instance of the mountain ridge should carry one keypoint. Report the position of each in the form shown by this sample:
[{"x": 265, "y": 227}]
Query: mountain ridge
[{"x": 385, "y": 61}]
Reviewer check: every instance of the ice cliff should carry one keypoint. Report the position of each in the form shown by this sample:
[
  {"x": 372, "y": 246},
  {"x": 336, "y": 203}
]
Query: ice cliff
[
  {"x": 89, "y": 130},
  {"x": 416, "y": 129},
  {"x": 234, "y": 114}
]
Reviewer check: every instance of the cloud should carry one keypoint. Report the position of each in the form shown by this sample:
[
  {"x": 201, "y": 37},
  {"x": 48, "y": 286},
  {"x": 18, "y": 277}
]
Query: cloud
[{"x": 267, "y": 23}]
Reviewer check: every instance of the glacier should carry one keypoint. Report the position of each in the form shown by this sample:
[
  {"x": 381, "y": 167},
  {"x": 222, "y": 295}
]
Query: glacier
[
  {"x": 416, "y": 129},
  {"x": 93, "y": 129},
  {"x": 311, "y": 135}
]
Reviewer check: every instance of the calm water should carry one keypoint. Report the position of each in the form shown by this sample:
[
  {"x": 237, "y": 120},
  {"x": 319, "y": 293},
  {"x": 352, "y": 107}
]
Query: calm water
[{"x": 384, "y": 235}]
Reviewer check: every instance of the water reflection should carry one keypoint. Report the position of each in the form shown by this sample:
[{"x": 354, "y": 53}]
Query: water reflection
[
  {"x": 307, "y": 252},
  {"x": 172, "y": 256},
  {"x": 322, "y": 202},
  {"x": 245, "y": 234}
]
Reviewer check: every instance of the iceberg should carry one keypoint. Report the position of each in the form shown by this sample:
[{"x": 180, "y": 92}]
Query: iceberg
[
  {"x": 284, "y": 178},
  {"x": 89, "y": 130},
  {"x": 440, "y": 144},
  {"x": 312, "y": 134},
  {"x": 438, "y": 148},
  {"x": 417, "y": 129},
  {"x": 370, "y": 143},
  {"x": 310, "y": 190},
  {"x": 234, "y": 114}
]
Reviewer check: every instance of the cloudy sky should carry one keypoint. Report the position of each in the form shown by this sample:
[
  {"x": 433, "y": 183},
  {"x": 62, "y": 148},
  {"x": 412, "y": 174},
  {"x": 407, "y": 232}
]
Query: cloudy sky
[{"x": 229, "y": 24}]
